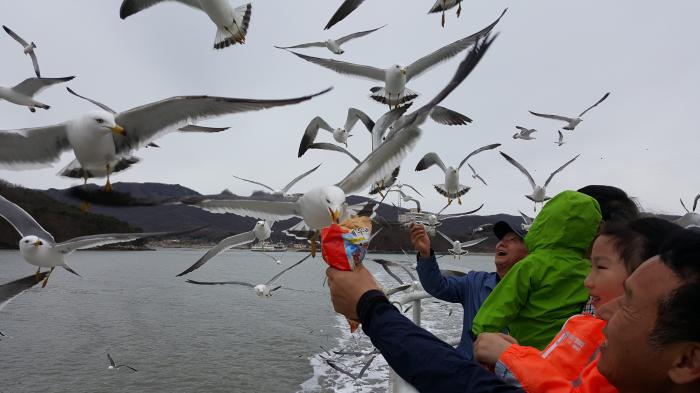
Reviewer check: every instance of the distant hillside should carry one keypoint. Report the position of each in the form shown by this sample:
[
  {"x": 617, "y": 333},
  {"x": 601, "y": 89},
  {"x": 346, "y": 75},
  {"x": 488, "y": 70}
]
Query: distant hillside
[
  {"x": 61, "y": 220},
  {"x": 139, "y": 207}
]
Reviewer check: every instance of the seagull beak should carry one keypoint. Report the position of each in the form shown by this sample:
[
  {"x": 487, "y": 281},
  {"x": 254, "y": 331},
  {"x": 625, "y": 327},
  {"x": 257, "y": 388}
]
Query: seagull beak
[
  {"x": 335, "y": 215},
  {"x": 38, "y": 243},
  {"x": 403, "y": 71},
  {"x": 119, "y": 130}
]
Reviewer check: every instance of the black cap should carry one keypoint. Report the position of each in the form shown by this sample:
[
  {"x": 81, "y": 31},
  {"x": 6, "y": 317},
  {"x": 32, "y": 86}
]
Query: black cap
[{"x": 502, "y": 228}]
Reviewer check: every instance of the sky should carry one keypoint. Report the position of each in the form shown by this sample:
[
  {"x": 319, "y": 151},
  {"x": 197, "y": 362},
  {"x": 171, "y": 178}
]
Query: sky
[{"x": 551, "y": 56}]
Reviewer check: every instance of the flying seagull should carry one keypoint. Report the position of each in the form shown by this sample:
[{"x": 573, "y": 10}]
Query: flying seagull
[
  {"x": 399, "y": 186},
  {"x": 28, "y": 49},
  {"x": 283, "y": 191},
  {"x": 460, "y": 248},
  {"x": 444, "y": 5},
  {"x": 231, "y": 23},
  {"x": 695, "y": 204},
  {"x": 276, "y": 260},
  {"x": 260, "y": 289},
  {"x": 101, "y": 140},
  {"x": 23, "y": 93},
  {"x": 407, "y": 198},
  {"x": 476, "y": 175},
  {"x": 538, "y": 193},
  {"x": 38, "y": 247},
  {"x": 324, "y": 205},
  {"x": 573, "y": 121},
  {"x": 331, "y": 44},
  {"x": 561, "y": 139},
  {"x": 114, "y": 366},
  {"x": 524, "y": 134},
  {"x": 451, "y": 188},
  {"x": 435, "y": 219},
  {"x": 260, "y": 232},
  {"x": 395, "y": 77},
  {"x": 340, "y": 134},
  {"x": 527, "y": 221}
]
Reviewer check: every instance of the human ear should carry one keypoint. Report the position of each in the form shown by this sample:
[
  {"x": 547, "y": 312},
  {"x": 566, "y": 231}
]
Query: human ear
[{"x": 686, "y": 369}]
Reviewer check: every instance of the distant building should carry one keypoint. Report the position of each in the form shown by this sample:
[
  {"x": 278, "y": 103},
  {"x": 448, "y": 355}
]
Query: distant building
[{"x": 413, "y": 215}]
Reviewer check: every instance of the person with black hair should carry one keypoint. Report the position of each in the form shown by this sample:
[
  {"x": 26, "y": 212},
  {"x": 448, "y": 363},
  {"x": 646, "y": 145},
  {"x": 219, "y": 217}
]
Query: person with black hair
[{"x": 615, "y": 204}]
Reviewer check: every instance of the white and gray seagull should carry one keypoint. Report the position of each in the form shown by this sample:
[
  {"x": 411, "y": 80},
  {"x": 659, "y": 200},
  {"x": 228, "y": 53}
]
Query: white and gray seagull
[
  {"x": 340, "y": 134},
  {"x": 261, "y": 232},
  {"x": 116, "y": 367},
  {"x": 23, "y": 93},
  {"x": 285, "y": 190},
  {"x": 538, "y": 193},
  {"x": 38, "y": 247},
  {"x": 460, "y": 248},
  {"x": 561, "y": 139},
  {"x": 527, "y": 221},
  {"x": 451, "y": 188},
  {"x": 395, "y": 77},
  {"x": 262, "y": 290},
  {"x": 695, "y": 204},
  {"x": 524, "y": 133},
  {"x": 407, "y": 198},
  {"x": 572, "y": 121},
  {"x": 476, "y": 175},
  {"x": 102, "y": 139},
  {"x": 331, "y": 44},
  {"x": 324, "y": 205},
  {"x": 444, "y": 5},
  {"x": 231, "y": 23},
  {"x": 28, "y": 49}
]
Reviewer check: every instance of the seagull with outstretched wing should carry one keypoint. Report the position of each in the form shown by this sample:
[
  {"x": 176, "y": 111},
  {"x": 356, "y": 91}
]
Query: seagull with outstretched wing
[
  {"x": 27, "y": 47},
  {"x": 116, "y": 367},
  {"x": 284, "y": 191},
  {"x": 524, "y": 133},
  {"x": 340, "y": 134},
  {"x": 572, "y": 121},
  {"x": 460, "y": 248},
  {"x": 331, "y": 44},
  {"x": 444, "y": 5}
]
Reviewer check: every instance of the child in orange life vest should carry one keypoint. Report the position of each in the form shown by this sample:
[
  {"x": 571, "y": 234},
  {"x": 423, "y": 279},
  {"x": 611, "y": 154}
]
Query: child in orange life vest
[{"x": 568, "y": 364}]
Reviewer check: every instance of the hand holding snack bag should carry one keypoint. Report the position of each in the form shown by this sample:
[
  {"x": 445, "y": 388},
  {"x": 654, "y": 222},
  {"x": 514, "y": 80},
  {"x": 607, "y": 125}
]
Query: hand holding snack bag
[{"x": 344, "y": 245}]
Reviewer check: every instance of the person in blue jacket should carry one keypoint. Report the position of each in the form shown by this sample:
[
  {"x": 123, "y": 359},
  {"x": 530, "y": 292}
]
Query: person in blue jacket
[{"x": 472, "y": 289}]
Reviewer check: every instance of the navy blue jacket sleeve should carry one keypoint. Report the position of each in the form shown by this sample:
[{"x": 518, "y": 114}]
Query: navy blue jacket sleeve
[
  {"x": 420, "y": 358},
  {"x": 449, "y": 289}
]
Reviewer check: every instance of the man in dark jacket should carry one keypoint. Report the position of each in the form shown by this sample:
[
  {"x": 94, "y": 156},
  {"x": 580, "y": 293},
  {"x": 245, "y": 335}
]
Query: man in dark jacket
[{"x": 472, "y": 289}]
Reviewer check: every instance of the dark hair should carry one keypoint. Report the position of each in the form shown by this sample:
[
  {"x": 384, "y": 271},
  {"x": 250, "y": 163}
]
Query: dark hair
[
  {"x": 678, "y": 315},
  {"x": 614, "y": 203},
  {"x": 638, "y": 240}
]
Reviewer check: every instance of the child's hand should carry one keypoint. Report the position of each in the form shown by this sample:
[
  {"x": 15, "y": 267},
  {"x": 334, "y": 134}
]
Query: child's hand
[
  {"x": 420, "y": 239},
  {"x": 488, "y": 347}
]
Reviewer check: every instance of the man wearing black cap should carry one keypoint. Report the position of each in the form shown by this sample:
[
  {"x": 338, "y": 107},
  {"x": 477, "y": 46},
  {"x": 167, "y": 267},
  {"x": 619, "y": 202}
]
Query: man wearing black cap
[{"x": 472, "y": 289}]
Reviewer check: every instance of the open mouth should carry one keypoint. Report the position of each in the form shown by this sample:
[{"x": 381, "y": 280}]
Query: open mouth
[{"x": 501, "y": 253}]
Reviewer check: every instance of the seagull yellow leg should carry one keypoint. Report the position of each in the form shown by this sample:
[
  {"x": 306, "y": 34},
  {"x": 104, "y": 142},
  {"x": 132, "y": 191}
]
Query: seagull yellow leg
[
  {"x": 84, "y": 206},
  {"x": 108, "y": 185},
  {"x": 459, "y": 200},
  {"x": 37, "y": 274},
  {"x": 314, "y": 238},
  {"x": 46, "y": 279}
]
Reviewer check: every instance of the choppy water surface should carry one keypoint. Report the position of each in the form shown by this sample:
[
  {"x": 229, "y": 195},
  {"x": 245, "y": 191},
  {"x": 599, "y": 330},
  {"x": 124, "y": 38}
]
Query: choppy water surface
[{"x": 183, "y": 337}]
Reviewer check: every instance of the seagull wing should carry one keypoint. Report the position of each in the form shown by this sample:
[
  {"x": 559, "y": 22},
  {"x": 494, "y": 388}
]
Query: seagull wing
[
  {"x": 23, "y": 223},
  {"x": 99, "y": 104},
  {"x": 474, "y": 242},
  {"x": 274, "y": 210},
  {"x": 413, "y": 188},
  {"x": 276, "y": 276},
  {"x": 15, "y": 36},
  {"x": 477, "y": 151},
  {"x": 555, "y": 117},
  {"x": 221, "y": 283},
  {"x": 354, "y": 115},
  {"x": 306, "y": 45},
  {"x": 130, "y": 7},
  {"x": 32, "y": 86},
  {"x": 594, "y": 105},
  {"x": 526, "y": 219},
  {"x": 385, "y": 121},
  {"x": 35, "y": 63},
  {"x": 127, "y": 366},
  {"x": 147, "y": 122},
  {"x": 196, "y": 128},
  {"x": 100, "y": 240},
  {"x": 338, "y": 368},
  {"x": 332, "y": 147},
  {"x": 366, "y": 366},
  {"x": 296, "y": 179},
  {"x": 33, "y": 146},
  {"x": 255, "y": 182},
  {"x": 446, "y": 52},
  {"x": 482, "y": 179},
  {"x": 359, "y": 34},
  {"x": 344, "y": 10},
  {"x": 448, "y": 117},
  {"x": 445, "y": 236},
  {"x": 229, "y": 242},
  {"x": 381, "y": 162},
  {"x": 111, "y": 361},
  {"x": 396, "y": 264},
  {"x": 695, "y": 203},
  {"x": 683, "y": 204},
  {"x": 559, "y": 170},
  {"x": 471, "y": 168},
  {"x": 521, "y": 168},
  {"x": 561, "y": 136},
  {"x": 457, "y": 215},
  {"x": 310, "y": 133},
  {"x": 346, "y": 68},
  {"x": 400, "y": 288},
  {"x": 429, "y": 160}
]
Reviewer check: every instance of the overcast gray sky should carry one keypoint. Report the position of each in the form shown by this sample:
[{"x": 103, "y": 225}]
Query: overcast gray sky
[{"x": 552, "y": 56}]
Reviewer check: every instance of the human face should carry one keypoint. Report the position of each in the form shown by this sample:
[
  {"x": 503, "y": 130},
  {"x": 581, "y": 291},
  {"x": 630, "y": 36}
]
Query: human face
[
  {"x": 629, "y": 360},
  {"x": 608, "y": 272},
  {"x": 509, "y": 250}
]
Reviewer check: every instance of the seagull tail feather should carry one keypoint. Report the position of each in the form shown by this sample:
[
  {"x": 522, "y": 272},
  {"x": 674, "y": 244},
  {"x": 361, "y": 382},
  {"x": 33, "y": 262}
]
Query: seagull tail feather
[
  {"x": 380, "y": 95},
  {"x": 235, "y": 32}
]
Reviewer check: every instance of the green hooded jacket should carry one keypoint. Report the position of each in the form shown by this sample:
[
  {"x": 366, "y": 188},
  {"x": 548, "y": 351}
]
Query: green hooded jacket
[{"x": 545, "y": 288}]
